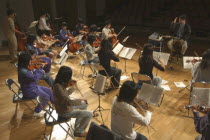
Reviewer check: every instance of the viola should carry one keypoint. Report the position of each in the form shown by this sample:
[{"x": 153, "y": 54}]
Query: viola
[
  {"x": 201, "y": 109},
  {"x": 36, "y": 64}
]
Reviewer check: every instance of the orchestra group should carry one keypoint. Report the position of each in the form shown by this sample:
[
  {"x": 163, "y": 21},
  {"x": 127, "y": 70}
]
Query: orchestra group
[{"x": 35, "y": 63}]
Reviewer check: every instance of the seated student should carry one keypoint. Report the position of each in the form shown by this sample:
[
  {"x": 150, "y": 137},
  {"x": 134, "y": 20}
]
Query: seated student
[
  {"x": 201, "y": 70},
  {"x": 48, "y": 79},
  {"x": 90, "y": 51},
  {"x": 146, "y": 64},
  {"x": 67, "y": 107},
  {"x": 124, "y": 115},
  {"x": 64, "y": 33},
  {"x": 105, "y": 56},
  {"x": 28, "y": 78},
  {"x": 202, "y": 124}
]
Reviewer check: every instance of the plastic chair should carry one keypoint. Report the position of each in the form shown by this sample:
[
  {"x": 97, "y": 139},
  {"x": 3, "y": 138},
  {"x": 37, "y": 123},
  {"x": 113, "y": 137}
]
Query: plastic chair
[
  {"x": 51, "y": 119},
  {"x": 18, "y": 95}
]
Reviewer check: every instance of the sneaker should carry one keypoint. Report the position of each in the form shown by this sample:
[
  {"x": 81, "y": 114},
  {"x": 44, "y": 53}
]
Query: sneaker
[
  {"x": 51, "y": 73},
  {"x": 39, "y": 115}
]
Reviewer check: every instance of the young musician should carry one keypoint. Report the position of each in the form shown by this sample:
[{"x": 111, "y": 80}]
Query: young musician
[
  {"x": 105, "y": 56},
  {"x": 32, "y": 40},
  {"x": 106, "y": 31},
  {"x": 201, "y": 70},
  {"x": 80, "y": 26},
  {"x": 43, "y": 28},
  {"x": 10, "y": 33},
  {"x": 181, "y": 30},
  {"x": 146, "y": 64},
  {"x": 124, "y": 115},
  {"x": 28, "y": 78},
  {"x": 202, "y": 125},
  {"x": 67, "y": 107},
  {"x": 64, "y": 33},
  {"x": 30, "y": 47},
  {"x": 90, "y": 51}
]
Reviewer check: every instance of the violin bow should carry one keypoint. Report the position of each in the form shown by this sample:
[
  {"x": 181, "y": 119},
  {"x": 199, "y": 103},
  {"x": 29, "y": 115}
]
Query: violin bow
[{"x": 121, "y": 31}]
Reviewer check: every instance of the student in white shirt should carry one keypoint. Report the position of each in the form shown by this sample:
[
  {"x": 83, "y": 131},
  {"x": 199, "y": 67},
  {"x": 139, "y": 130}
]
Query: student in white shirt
[
  {"x": 106, "y": 31},
  {"x": 43, "y": 28},
  {"x": 201, "y": 70},
  {"x": 124, "y": 115}
]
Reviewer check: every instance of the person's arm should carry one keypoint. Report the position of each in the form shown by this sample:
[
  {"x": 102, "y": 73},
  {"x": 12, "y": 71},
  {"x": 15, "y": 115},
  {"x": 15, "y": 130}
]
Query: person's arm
[
  {"x": 113, "y": 56},
  {"x": 12, "y": 26},
  {"x": 32, "y": 75},
  {"x": 188, "y": 32},
  {"x": 70, "y": 90},
  {"x": 161, "y": 66},
  {"x": 62, "y": 96},
  {"x": 106, "y": 34},
  {"x": 200, "y": 122},
  {"x": 173, "y": 26},
  {"x": 137, "y": 118},
  {"x": 44, "y": 24}
]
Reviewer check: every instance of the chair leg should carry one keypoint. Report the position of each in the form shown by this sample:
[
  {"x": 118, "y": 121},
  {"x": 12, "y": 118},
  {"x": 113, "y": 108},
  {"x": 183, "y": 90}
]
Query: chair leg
[
  {"x": 51, "y": 133},
  {"x": 45, "y": 136},
  {"x": 16, "y": 108},
  {"x": 28, "y": 106},
  {"x": 66, "y": 130},
  {"x": 33, "y": 102}
]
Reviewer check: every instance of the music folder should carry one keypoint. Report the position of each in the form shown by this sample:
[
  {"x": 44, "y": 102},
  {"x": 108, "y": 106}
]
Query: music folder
[
  {"x": 201, "y": 96},
  {"x": 118, "y": 48},
  {"x": 160, "y": 55},
  {"x": 100, "y": 83}
]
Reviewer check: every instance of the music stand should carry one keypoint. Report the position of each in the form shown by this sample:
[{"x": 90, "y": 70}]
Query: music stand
[{"x": 99, "y": 88}]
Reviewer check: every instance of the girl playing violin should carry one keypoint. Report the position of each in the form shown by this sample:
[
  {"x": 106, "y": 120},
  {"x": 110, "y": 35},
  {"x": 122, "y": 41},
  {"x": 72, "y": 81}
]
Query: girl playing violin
[
  {"x": 30, "y": 45},
  {"x": 67, "y": 107},
  {"x": 64, "y": 33},
  {"x": 28, "y": 78}
]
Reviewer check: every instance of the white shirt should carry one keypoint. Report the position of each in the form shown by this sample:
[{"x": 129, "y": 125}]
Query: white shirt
[
  {"x": 105, "y": 33},
  {"x": 123, "y": 117},
  {"x": 43, "y": 24},
  {"x": 9, "y": 27}
]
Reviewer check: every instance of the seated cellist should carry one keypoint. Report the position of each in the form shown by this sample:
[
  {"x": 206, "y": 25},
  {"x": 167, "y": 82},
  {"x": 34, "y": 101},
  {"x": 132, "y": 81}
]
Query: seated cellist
[{"x": 106, "y": 32}]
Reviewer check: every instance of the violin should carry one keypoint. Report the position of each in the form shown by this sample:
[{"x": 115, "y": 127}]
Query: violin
[
  {"x": 48, "y": 38},
  {"x": 36, "y": 64},
  {"x": 201, "y": 109},
  {"x": 193, "y": 61},
  {"x": 74, "y": 83}
]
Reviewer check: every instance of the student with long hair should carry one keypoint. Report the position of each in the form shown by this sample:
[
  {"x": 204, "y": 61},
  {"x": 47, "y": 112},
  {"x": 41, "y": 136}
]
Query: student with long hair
[
  {"x": 28, "y": 78},
  {"x": 147, "y": 62},
  {"x": 67, "y": 107},
  {"x": 105, "y": 56},
  {"x": 124, "y": 115},
  {"x": 201, "y": 70}
]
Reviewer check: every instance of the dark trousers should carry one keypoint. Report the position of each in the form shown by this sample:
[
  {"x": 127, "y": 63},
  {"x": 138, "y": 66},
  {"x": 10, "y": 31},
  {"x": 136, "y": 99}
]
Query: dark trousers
[
  {"x": 116, "y": 76},
  {"x": 140, "y": 137}
]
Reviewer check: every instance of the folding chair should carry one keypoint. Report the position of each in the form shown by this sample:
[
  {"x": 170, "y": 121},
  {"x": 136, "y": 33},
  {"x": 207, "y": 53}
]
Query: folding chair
[
  {"x": 18, "y": 95},
  {"x": 141, "y": 77},
  {"x": 84, "y": 62},
  {"x": 51, "y": 118}
]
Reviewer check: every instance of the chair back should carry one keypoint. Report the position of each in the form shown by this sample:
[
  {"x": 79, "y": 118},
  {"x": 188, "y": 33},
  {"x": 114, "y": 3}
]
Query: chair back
[
  {"x": 144, "y": 78},
  {"x": 15, "y": 89},
  {"x": 98, "y": 67}
]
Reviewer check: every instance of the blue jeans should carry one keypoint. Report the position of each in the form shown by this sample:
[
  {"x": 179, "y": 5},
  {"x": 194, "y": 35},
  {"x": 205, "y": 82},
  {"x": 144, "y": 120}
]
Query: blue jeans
[
  {"x": 82, "y": 116},
  {"x": 48, "y": 79}
]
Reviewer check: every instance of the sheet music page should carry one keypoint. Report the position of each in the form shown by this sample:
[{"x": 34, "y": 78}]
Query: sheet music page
[
  {"x": 163, "y": 56},
  {"x": 117, "y": 48},
  {"x": 64, "y": 50},
  {"x": 124, "y": 52},
  {"x": 179, "y": 84},
  {"x": 100, "y": 83},
  {"x": 187, "y": 61},
  {"x": 201, "y": 96},
  {"x": 150, "y": 94},
  {"x": 130, "y": 53},
  {"x": 33, "y": 24},
  {"x": 166, "y": 87}
]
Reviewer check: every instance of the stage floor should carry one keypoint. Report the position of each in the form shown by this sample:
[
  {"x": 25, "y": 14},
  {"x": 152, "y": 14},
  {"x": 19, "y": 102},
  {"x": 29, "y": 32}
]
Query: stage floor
[{"x": 169, "y": 119}]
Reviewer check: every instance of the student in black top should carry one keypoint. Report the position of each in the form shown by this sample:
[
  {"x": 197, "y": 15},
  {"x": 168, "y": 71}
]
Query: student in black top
[
  {"x": 146, "y": 64},
  {"x": 105, "y": 56}
]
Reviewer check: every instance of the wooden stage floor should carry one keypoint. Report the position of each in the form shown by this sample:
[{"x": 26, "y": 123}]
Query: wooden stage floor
[{"x": 169, "y": 119}]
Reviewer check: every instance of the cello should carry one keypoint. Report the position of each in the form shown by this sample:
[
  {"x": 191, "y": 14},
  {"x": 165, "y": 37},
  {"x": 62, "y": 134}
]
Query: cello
[
  {"x": 21, "y": 39},
  {"x": 114, "y": 40}
]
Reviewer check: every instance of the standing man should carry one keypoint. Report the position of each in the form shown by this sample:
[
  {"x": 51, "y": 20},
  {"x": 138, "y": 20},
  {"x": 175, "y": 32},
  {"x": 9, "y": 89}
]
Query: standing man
[
  {"x": 181, "y": 30},
  {"x": 10, "y": 33}
]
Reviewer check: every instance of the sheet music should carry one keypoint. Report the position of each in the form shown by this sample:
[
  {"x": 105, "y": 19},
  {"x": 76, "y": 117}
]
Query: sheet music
[
  {"x": 150, "y": 94},
  {"x": 64, "y": 59},
  {"x": 131, "y": 52},
  {"x": 163, "y": 56},
  {"x": 33, "y": 24},
  {"x": 127, "y": 52},
  {"x": 118, "y": 48},
  {"x": 201, "y": 96},
  {"x": 100, "y": 83},
  {"x": 179, "y": 84},
  {"x": 189, "y": 65},
  {"x": 64, "y": 50},
  {"x": 166, "y": 87}
]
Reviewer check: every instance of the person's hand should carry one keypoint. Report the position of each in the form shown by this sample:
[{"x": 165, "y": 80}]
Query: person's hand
[
  {"x": 83, "y": 99},
  {"x": 175, "y": 20}
]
